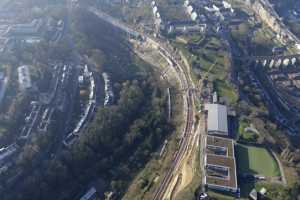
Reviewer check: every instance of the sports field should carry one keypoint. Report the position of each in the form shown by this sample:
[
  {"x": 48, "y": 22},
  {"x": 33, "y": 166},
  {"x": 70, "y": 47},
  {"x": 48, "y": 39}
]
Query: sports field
[{"x": 256, "y": 160}]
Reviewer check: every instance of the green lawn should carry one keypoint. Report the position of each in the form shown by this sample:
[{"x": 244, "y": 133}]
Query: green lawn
[
  {"x": 256, "y": 160},
  {"x": 225, "y": 90},
  {"x": 219, "y": 196}
]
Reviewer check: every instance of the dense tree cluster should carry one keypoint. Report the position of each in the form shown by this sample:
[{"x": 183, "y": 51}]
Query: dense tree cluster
[
  {"x": 119, "y": 141},
  {"x": 106, "y": 45},
  {"x": 12, "y": 118}
]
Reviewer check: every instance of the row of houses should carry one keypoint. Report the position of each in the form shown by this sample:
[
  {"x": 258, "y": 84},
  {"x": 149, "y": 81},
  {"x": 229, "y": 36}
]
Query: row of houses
[
  {"x": 28, "y": 32},
  {"x": 22, "y": 30},
  {"x": 46, "y": 120},
  {"x": 24, "y": 78},
  {"x": 190, "y": 10},
  {"x": 109, "y": 95},
  {"x": 88, "y": 111},
  {"x": 31, "y": 120},
  {"x": 185, "y": 27},
  {"x": 156, "y": 15},
  {"x": 200, "y": 13},
  {"x": 3, "y": 85},
  {"x": 6, "y": 152},
  {"x": 266, "y": 12}
]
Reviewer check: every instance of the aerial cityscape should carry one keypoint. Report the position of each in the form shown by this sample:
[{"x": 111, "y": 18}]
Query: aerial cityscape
[{"x": 149, "y": 99}]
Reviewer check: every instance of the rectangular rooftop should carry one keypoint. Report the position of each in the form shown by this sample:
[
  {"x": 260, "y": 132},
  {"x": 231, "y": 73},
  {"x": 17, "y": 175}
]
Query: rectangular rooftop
[
  {"x": 220, "y": 164},
  {"x": 217, "y": 119}
]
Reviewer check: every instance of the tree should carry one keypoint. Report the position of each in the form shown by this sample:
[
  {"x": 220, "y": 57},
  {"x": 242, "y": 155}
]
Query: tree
[{"x": 99, "y": 58}]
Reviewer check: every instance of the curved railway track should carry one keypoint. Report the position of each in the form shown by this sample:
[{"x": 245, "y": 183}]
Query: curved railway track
[
  {"x": 186, "y": 84},
  {"x": 187, "y": 131}
]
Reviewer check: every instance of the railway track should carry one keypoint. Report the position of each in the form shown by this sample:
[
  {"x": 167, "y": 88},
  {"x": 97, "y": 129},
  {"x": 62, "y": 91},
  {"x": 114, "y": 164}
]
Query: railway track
[
  {"x": 179, "y": 154},
  {"x": 187, "y": 132},
  {"x": 185, "y": 81}
]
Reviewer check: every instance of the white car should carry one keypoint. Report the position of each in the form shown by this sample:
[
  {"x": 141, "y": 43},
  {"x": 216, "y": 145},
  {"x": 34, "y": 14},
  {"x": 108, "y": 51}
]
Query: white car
[{"x": 203, "y": 196}]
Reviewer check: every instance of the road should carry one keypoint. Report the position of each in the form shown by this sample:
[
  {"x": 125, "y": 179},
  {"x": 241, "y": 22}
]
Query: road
[
  {"x": 188, "y": 95},
  {"x": 276, "y": 104},
  {"x": 274, "y": 21},
  {"x": 283, "y": 177},
  {"x": 284, "y": 28}
]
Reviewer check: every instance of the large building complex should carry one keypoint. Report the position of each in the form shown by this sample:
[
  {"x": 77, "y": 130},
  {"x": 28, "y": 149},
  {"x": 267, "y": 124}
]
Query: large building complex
[
  {"x": 220, "y": 164},
  {"x": 22, "y": 30}
]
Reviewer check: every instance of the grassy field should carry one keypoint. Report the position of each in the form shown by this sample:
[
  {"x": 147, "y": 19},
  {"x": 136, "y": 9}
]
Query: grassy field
[
  {"x": 189, "y": 191},
  {"x": 219, "y": 196},
  {"x": 264, "y": 40},
  {"x": 209, "y": 52},
  {"x": 224, "y": 89},
  {"x": 256, "y": 160},
  {"x": 223, "y": 196}
]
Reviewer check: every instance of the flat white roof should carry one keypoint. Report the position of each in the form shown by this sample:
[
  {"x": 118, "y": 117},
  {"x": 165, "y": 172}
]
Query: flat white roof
[
  {"x": 24, "y": 77},
  {"x": 89, "y": 194},
  {"x": 217, "y": 118}
]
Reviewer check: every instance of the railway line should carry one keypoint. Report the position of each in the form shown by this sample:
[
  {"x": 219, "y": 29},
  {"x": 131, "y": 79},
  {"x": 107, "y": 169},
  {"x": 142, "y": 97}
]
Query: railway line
[
  {"x": 188, "y": 129},
  {"x": 179, "y": 154},
  {"x": 188, "y": 97}
]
